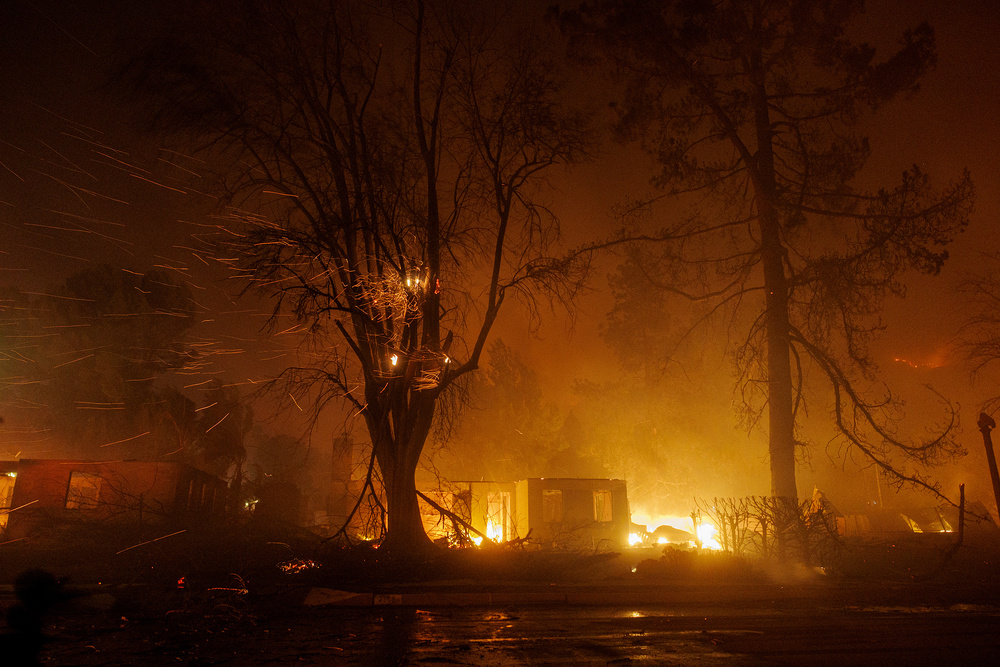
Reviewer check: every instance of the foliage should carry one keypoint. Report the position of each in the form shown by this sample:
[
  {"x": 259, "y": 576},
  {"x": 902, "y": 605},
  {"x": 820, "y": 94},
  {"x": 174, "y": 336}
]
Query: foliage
[
  {"x": 640, "y": 316},
  {"x": 749, "y": 111},
  {"x": 384, "y": 180},
  {"x": 82, "y": 361},
  {"x": 664, "y": 424},
  {"x": 980, "y": 335},
  {"x": 222, "y": 426},
  {"x": 765, "y": 527},
  {"x": 507, "y": 431}
]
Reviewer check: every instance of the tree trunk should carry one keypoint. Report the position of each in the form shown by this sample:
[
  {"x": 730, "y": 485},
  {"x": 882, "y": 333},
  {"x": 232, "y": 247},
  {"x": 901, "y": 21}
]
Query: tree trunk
[
  {"x": 405, "y": 535},
  {"x": 397, "y": 456},
  {"x": 781, "y": 420}
]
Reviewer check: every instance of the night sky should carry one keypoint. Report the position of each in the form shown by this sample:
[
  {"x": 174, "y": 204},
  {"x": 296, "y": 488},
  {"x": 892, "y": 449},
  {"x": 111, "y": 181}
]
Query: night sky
[{"x": 80, "y": 182}]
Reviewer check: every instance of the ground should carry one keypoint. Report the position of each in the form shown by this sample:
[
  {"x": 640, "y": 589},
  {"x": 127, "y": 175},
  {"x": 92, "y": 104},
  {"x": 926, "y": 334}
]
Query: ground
[
  {"x": 843, "y": 624},
  {"x": 254, "y": 597}
]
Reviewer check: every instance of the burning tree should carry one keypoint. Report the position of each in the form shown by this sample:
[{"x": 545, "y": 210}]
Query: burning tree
[
  {"x": 749, "y": 109},
  {"x": 385, "y": 162}
]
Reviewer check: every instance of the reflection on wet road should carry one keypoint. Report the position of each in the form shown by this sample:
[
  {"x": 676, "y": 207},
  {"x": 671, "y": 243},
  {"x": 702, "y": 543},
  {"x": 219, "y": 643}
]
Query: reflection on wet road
[
  {"x": 598, "y": 635},
  {"x": 769, "y": 631}
]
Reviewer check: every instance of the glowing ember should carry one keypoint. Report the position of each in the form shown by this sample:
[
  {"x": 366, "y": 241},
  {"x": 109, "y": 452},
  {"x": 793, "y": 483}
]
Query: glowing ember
[
  {"x": 240, "y": 587},
  {"x": 297, "y": 565}
]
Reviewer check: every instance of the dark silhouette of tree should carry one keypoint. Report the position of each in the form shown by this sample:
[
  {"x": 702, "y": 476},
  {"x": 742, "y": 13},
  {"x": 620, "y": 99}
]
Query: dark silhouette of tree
[
  {"x": 980, "y": 334},
  {"x": 749, "y": 109},
  {"x": 641, "y": 315},
  {"x": 220, "y": 433},
  {"x": 176, "y": 423},
  {"x": 573, "y": 451},
  {"x": 507, "y": 430},
  {"x": 669, "y": 406},
  {"x": 83, "y": 358},
  {"x": 278, "y": 457},
  {"x": 386, "y": 163}
]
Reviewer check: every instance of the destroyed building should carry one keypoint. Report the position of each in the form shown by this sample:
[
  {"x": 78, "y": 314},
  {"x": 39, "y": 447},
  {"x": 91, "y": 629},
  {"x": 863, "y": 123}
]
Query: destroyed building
[
  {"x": 41, "y": 491},
  {"x": 560, "y": 513}
]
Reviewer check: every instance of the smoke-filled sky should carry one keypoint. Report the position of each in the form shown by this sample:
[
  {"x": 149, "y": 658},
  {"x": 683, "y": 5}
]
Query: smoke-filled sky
[{"x": 80, "y": 184}]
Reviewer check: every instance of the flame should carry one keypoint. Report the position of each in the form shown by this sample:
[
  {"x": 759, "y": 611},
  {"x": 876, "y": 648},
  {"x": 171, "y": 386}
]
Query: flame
[
  {"x": 706, "y": 534},
  {"x": 653, "y": 521},
  {"x": 494, "y": 531}
]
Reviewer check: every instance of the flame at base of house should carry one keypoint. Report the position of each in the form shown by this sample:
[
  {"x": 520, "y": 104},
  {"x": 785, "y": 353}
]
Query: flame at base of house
[
  {"x": 688, "y": 531},
  {"x": 595, "y": 514},
  {"x": 560, "y": 513}
]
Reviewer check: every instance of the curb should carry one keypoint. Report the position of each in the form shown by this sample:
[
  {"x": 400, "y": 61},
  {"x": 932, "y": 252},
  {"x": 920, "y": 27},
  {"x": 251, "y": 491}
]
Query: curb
[
  {"x": 331, "y": 597},
  {"x": 551, "y": 595}
]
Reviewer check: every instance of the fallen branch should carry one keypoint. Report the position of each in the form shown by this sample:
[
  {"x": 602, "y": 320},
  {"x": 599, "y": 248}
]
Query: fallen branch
[
  {"x": 451, "y": 515},
  {"x": 150, "y": 541},
  {"x": 368, "y": 485},
  {"x": 519, "y": 541}
]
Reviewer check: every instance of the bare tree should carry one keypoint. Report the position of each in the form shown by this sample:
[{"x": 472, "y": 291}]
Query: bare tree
[
  {"x": 748, "y": 108},
  {"x": 980, "y": 335},
  {"x": 386, "y": 164}
]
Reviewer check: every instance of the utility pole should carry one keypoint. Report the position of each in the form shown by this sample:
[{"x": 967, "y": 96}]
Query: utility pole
[{"x": 987, "y": 424}]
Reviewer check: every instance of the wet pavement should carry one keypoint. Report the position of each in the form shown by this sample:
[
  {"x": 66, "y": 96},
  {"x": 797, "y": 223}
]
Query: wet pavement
[{"x": 797, "y": 631}]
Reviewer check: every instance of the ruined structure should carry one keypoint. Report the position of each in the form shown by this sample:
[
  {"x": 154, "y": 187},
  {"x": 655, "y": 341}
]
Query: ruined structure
[
  {"x": 561, "y": 513},
  {"x": 38, "y": 491}
]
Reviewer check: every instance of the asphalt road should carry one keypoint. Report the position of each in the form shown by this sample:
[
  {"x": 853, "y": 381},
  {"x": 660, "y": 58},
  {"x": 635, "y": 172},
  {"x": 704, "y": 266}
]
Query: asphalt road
[
  {"x": 600, "y": 636},
  {"x": 779, "y": 632}
]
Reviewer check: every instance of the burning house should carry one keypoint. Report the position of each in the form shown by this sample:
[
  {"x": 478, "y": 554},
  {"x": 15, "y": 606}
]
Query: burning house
[
  {"x": 36, "y": 491},
  {"x": 562, "y": 513}
]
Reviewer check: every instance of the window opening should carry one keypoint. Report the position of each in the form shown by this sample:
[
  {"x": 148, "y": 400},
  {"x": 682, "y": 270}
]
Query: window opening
[
  {"x": 84, "y": 490},
  {"x": 552, "y": 505},
  {"x": 602, "y": 506},
  {"x": 498, "y": 526},
  {"x": 7, "y": 480}
]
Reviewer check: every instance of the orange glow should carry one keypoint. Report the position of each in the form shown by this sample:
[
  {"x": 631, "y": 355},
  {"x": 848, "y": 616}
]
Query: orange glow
[
  {"x": 706, "y": 533},
  {"x": 706, "y": 530},
  {"x": 494, "y": 531},
  {"x": 936, "y": 359}
]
